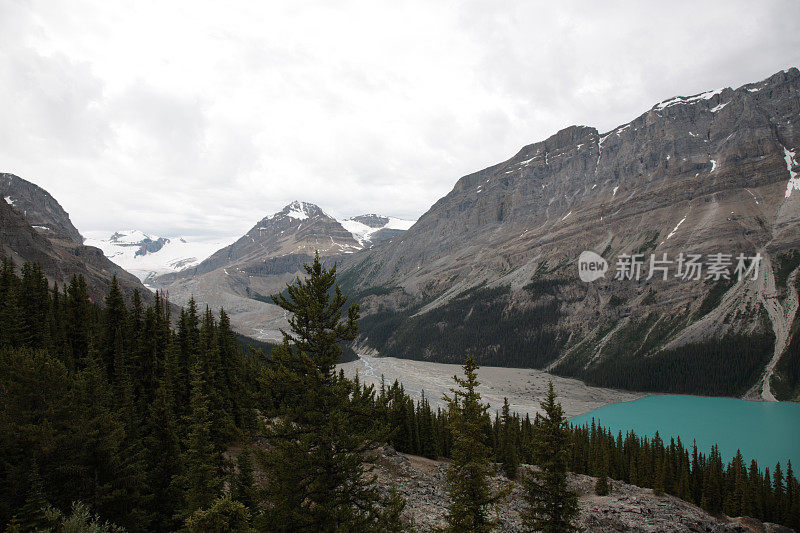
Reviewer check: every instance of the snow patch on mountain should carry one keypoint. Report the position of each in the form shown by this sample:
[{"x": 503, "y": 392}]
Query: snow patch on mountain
[
  {"x": 794, "y": 181},
  {"x": 363, "y": 233},
  {"x": 675, "y": 229},
  {"x": 299, "y": 211},
  {"x": 719, "y": 107}
]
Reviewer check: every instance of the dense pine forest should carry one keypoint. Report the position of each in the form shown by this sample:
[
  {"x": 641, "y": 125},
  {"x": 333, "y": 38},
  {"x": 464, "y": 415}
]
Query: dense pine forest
[{"x": 125, "y": 416}]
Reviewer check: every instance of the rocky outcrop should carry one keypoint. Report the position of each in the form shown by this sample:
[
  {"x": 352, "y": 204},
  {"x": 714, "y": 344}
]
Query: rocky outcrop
[
  {"x": 422, "y": 483},
  {"x": 709, "y": 173}
]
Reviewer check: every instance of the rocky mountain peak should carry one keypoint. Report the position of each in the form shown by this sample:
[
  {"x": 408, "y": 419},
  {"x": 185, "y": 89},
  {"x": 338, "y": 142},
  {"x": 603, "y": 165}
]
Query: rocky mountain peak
[{"x": 143, "y": 242}]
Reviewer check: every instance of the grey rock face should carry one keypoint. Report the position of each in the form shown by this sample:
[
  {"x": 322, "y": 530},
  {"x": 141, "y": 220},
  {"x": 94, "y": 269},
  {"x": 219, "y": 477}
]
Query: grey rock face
[{"x": 150, "y": 246}]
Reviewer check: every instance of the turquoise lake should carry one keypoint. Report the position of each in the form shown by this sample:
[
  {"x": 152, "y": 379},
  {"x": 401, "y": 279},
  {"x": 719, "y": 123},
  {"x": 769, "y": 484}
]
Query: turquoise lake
[{"x": 765, "y": 431}]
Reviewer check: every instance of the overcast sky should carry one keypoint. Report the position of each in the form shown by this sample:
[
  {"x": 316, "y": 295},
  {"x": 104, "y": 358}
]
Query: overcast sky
[{"x": 200, "y": 118}]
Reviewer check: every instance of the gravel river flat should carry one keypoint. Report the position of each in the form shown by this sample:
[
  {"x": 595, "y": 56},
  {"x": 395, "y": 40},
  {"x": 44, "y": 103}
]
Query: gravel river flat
[{"x": 524, "y": 387}]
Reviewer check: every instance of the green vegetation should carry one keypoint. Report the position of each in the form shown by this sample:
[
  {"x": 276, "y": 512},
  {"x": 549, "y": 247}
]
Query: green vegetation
[
  {"x": 785, "y": 263},
  {"x": 714, "y": 296},
  {"x": 257, "y": 296},
  {"x": 649, "y": 243},
  {"x": 786, "y": 379},
  {"x": 671, "y": 467},
  {"x": 111, "y": 407}
]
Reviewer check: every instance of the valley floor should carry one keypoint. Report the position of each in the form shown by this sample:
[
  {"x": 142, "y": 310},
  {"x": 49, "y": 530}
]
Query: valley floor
[{"x": 523, "y": 387}]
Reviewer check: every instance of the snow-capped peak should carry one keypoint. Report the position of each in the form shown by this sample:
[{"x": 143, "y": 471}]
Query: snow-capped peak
[
  {"x": 687, "y": 99},
  {"x": 299, "y": 211}
]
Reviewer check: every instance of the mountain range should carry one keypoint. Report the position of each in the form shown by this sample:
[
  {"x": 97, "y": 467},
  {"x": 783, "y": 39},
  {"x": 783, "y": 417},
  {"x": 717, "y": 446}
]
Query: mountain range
[
  {"x": 241, "y": 276},
  {"x": 492, "y": 267}
]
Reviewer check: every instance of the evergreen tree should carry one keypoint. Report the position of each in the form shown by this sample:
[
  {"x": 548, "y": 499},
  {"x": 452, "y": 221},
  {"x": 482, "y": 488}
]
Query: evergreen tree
[
  {"x": 778, "y": 493},
  {"x": 317, "y": 476},
  {"x": 202, "y": 478},
  {"x": 470, "y": 495},
  {"x": 114, "y": 329},
  {"x": 78, "y": 323},
  {"x": 603, "y": 487},
  {"x": 552, "y": 507},
  {"x": 224, "y": 515},
  {"x": 509, "y": 457},
  {"x": 711, "y": 500},
  {"x": 164, "y": 458},
  {"x": 658, "y": 485},
  {"x": 244, "y": 489},
  {"x": 11, "y": 333},
  {"x": 32, "y": 515}
]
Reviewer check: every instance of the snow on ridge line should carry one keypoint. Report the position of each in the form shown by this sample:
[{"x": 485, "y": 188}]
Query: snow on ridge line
[
  {"x": 399, "y": 223},
  {"x": 687, "y": 99},
  {"x": 131, "y": 236}
]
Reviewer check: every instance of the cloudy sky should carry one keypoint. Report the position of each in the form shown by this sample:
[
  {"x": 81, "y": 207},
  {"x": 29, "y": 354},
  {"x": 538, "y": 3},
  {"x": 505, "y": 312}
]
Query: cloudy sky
[{"x": 201, "y": 117}]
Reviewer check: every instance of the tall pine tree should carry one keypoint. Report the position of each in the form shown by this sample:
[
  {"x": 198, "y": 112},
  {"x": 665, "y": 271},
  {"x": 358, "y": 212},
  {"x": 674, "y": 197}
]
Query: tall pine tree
[
  {"x": 470, "y": 494},
  {"x": 552, "y": 507},
  {"x": 317, "y": 476}
]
